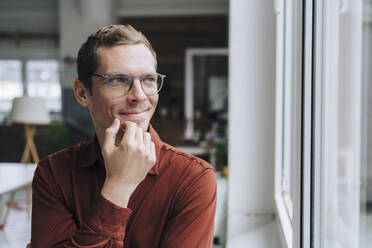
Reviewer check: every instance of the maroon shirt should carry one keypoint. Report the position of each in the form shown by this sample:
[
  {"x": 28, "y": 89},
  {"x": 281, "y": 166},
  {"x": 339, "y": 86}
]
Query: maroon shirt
[{"x": 173, "y": 206}]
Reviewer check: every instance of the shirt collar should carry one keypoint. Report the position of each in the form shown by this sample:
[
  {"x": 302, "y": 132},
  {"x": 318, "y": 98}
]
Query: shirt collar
[{"x": 91, "y": 151}]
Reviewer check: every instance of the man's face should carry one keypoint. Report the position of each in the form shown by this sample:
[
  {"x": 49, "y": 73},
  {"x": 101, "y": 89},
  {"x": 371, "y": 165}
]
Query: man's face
[{"x": 134, "y": 60}]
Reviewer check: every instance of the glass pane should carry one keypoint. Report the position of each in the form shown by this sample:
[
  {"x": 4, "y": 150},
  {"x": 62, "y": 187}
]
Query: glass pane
[
  {"x": 43, "y": 81},
  {"x": 10, "y": 84},
  {"x": 342, "y": 125}
]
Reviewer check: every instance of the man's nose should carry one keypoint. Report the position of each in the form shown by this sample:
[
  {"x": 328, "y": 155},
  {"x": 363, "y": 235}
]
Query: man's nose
[{"x": 136, "y": 93}]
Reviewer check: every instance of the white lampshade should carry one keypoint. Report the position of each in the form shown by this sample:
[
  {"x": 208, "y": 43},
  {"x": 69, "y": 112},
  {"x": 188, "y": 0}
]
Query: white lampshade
[{"x": 29, "y": 110}]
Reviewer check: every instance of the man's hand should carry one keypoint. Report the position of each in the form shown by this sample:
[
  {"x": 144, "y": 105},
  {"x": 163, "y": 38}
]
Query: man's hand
[{"x": 127, "y": 161}]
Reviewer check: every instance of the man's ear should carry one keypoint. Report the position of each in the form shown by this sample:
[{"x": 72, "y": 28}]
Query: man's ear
[{"x": 81, "y": 93}]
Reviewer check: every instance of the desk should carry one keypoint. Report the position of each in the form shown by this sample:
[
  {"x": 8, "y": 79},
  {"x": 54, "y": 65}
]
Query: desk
[
  {"x": 207, "y": 154},
  {"x": 194, "y": 150},
  {"x": 13, "y": 177}
]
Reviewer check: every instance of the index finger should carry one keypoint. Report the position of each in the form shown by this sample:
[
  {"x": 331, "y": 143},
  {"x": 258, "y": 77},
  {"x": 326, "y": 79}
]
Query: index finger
[
  {"x": 111, "y": 132},
  {"x": 130, "y": 130}
]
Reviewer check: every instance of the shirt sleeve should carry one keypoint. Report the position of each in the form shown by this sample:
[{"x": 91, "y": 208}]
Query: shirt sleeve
[
  {"x": 192, "y": 225},
  {"x": 53, "y": 225}
]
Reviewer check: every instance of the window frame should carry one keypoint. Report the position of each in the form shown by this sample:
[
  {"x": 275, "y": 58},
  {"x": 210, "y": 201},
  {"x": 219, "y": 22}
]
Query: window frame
[
  {"x": 283, "y": 220},
  {"x": 305, "y": 228},
  {"x": 296, "y": 232}
]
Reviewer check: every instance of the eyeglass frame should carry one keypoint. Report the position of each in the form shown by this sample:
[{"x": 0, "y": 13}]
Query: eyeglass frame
[{"x": 106, "y": 77}]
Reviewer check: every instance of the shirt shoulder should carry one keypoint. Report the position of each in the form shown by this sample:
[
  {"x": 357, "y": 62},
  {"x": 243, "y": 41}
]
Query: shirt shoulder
[
  {"x": 59, "y": 165},
  {"x": 73, "y": 156},
  {"x": 58, "y": 171}
]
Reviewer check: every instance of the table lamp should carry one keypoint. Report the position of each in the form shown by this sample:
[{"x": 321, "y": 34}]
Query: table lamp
[{"x": 29, "y": 111}]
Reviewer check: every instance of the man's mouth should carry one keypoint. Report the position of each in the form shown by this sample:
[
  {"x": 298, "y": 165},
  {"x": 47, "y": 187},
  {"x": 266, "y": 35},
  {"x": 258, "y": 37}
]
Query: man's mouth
[{"x": 134, "y": 113}]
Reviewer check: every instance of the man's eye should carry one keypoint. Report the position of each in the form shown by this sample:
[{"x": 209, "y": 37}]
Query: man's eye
[
  {"x": 119, "y": 80},
  {"x": 149, "y": 79}
]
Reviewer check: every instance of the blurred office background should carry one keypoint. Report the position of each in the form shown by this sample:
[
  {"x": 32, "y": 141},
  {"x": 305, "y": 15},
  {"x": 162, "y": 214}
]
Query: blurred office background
[{"x": 276, "y": 95}]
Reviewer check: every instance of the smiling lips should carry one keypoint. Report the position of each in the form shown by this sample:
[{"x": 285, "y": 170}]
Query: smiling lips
[{"x": 134, "y": 113}]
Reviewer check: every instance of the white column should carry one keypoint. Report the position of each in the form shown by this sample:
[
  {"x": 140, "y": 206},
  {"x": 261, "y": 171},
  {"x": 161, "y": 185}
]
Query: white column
[
  {"x": 79, "y": 18},
  {"x": 251, "y": 116}
]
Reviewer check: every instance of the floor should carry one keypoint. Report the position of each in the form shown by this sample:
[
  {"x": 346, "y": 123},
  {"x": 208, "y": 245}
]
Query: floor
[
  {"x": 17, "y": 232},
  {"x": 257, "y": 234},
  {"x": 366, "y": 227}
]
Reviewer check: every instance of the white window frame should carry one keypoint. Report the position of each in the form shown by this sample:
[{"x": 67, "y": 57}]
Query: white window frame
[
  {"x": 284, "y": 220},
  {"x": 304, "y": 225},
  {"x": 295, "y": 228}
]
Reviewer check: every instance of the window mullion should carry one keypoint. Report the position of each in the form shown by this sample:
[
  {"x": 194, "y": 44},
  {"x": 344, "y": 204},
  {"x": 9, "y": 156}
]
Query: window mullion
[{"x": 24, "y": 76}]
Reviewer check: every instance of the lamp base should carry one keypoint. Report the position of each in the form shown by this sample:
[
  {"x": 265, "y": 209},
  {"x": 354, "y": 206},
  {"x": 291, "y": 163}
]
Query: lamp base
[{"x": 30, "y": 145}]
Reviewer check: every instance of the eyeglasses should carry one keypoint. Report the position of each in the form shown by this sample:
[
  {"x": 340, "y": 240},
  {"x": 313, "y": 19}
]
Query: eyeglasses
[{"x": 121, "y": 84}]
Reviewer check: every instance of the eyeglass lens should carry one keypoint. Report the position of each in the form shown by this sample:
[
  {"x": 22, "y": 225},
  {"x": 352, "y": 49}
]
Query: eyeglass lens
[{"x": 121, "y": 84}]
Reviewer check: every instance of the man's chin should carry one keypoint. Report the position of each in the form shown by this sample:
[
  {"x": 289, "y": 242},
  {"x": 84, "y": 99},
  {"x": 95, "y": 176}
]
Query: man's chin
[{"x": 142, "y": 124}]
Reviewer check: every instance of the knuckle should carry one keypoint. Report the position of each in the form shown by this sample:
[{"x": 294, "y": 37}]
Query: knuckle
[
  {"x": 105, "y": 151},
  {"x": 139, "y": 150},
  {"x": 147, "y": 135},
  {"x": 131, "y": 124},
  {"x": 109, "y": 131},
  {"x": 130, "y": 145},
  {"x": 129, "y": 142}
]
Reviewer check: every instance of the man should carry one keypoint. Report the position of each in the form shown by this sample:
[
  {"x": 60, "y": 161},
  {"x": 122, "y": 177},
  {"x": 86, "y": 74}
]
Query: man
[{"x": 125, "y": 187}]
